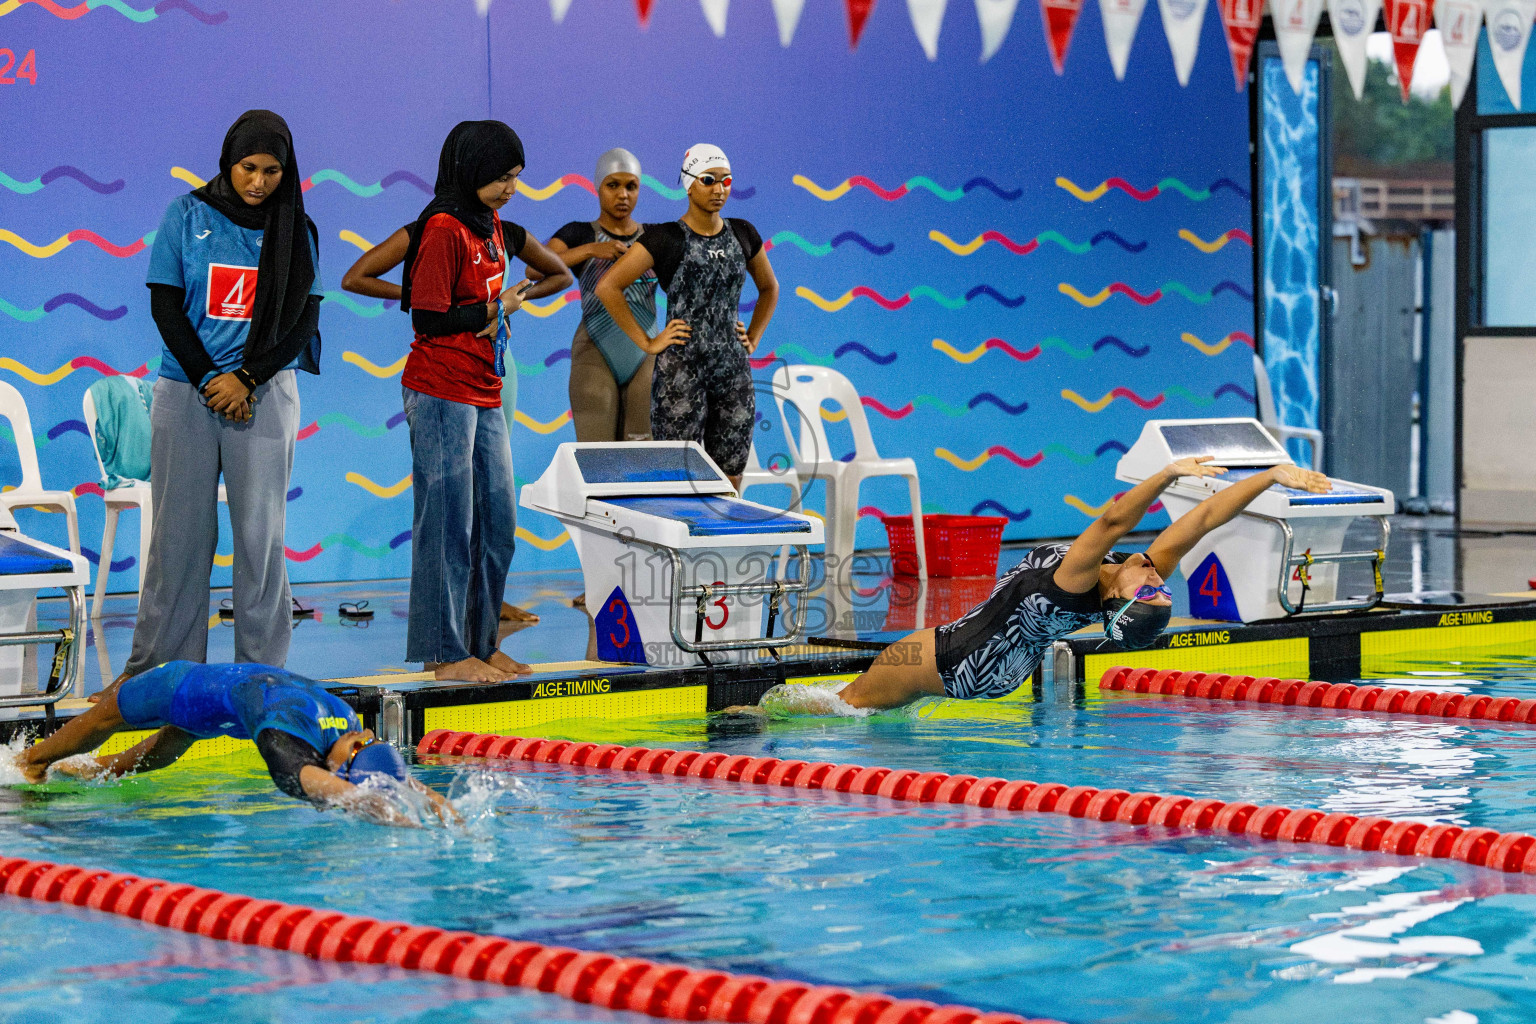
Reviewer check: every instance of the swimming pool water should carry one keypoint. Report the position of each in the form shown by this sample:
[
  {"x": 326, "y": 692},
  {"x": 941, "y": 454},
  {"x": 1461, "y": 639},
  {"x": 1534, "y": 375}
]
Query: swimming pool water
[{"x": 1037, "y": 914}]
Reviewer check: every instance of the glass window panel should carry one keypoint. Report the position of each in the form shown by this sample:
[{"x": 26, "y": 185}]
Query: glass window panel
[{"x": 1509, "y": 225}]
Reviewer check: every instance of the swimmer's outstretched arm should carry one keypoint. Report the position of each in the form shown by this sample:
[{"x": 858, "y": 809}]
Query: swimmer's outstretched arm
[
  {"x": 324, "y": 788},
  {"x": 1222, "y": 507},
  {"x": 1078, "y": 572}
]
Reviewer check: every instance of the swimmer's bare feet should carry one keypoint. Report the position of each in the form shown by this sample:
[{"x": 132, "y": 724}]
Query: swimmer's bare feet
[
  {"x": 470, "y": 670},
  {"x": 743, "y": 709},
  {"x": 509, "y": 665},
  {"x": 512, "y": 613},
  {"x": 109, "y": 688}
]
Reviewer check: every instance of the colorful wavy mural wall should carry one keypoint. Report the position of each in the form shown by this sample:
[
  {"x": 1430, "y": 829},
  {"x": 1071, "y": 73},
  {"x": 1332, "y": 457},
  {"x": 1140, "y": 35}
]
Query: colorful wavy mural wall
[{"x": 1015, "y": 269}]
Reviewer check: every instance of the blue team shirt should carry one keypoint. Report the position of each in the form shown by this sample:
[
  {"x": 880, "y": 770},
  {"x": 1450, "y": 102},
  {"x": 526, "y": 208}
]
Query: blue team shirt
[{"x": 201, "y": 250}]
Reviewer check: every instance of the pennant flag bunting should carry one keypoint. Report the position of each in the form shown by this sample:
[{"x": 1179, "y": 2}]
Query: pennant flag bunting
[
  {"x": 644, "y": 7},
  {"x": 714, "y": 13},
  {"x": 557, "y": 9},
  {"x": 1458, "y": 22},
  {"x": 1295, "y": 24},
  {"x": 1121, "y": 17},
  {"x": 858, "y": 14},
  {"x": 1407, "y": 20},
  {"x": 787, "y": 14},
  {"x": 996, "y": 18},
  {"x": 1240, "y": 20},
  {"x": 1182, "y": 24},
  {"x": 927, "y": 19},
  {"x": 1060, "y": 17},
  {"x": 1353, "y": 22},
  {"x": 1509, "y": 30}
]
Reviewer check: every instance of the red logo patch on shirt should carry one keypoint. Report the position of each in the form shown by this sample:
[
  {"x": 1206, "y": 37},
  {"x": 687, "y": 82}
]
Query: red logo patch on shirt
[{"x": 231, "y": 291}]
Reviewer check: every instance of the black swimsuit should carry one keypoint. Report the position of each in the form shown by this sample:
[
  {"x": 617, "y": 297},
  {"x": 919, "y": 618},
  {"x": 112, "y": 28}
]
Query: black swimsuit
[{"x": 702, "y": 390}]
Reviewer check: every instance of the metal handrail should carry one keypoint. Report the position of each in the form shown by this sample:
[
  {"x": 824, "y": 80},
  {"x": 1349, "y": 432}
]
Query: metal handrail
[
  {"x": 793, "y": 626},
  {"x": 66, "y": 657},
  {"x": 1289, "y": 560}
]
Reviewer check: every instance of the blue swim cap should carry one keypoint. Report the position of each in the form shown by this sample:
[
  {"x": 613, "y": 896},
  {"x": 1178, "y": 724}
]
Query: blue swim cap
[{"x": 376, "y": 758}]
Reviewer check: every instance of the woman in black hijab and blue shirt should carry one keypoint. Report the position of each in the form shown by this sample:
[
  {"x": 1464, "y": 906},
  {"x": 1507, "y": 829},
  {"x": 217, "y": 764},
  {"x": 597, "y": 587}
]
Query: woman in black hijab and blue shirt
[
  {"x": 456, "y": 286},
  {"x": 235, "y": 294}
]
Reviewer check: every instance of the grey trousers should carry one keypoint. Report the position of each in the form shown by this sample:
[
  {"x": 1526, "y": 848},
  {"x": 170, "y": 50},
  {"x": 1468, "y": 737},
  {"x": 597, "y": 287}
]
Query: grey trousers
[{"x": 189, "y": 448}]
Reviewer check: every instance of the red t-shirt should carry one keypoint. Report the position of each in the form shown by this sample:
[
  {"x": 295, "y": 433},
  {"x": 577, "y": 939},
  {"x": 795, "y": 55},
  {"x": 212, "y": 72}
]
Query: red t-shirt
[{"x": 455, "y": 266}]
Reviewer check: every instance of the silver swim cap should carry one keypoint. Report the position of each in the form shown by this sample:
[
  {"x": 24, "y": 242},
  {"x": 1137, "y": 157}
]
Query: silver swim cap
[{"x": 616, "y": 161}]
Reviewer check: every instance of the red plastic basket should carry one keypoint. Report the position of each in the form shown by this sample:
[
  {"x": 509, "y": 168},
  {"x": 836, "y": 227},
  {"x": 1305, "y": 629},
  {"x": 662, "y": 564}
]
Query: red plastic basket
[{"x": 957, "y": 545}]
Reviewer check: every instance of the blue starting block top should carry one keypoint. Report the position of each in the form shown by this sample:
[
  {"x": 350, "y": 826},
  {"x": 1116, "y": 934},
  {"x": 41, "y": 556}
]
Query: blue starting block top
[
  {"x": 18, "y": 558},
  {"x": 711, "y": 516},
  {"x": 641, "y": 465},
  {"x": 1342, "y": 493}
]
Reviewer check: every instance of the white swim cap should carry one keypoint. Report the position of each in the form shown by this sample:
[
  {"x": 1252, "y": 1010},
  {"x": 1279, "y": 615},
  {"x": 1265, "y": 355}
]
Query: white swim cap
[
  {"x": 616, "y": 161},
  {"x": 700, "y": 158}
]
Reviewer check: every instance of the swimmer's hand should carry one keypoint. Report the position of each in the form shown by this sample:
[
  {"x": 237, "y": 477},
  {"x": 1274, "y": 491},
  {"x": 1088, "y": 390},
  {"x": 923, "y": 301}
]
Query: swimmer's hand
[
  {"x": 745, "y": 338},
  {"x": 1195, "y": 466},
  {"x": 606, "y": 250},
  {"x": 1301, "y": 479},
  {"x": 677, "y": 332}
]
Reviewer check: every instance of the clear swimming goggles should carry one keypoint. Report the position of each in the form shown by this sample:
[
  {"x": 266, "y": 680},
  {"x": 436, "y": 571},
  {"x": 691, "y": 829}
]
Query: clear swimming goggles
[{"x": 1147, "y": 592}]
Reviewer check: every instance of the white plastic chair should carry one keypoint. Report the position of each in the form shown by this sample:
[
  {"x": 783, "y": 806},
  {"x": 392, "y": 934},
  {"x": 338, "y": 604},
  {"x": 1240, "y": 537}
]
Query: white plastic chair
[
  {"x": 1270, "y": 420},
  {"x": 756, "y": 476},
  {"x": 807, "y": 388},
  {"x": 30, "y": 491},
  {"x": 133, "y": 494}
]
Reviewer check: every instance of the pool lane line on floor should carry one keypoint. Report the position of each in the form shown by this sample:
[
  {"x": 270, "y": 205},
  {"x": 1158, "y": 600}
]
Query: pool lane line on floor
[
  {"x": 1482, "y": 847},
  {"x": 619, "y": 983},
  {"x": 1301, "y": 693}
]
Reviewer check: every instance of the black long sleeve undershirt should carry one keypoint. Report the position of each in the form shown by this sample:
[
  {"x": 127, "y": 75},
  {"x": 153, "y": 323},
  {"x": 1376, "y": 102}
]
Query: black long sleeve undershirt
[
  {"x": 265, "y": 367},
  {"x": 456, "y": 320},
  {"x": 166, "y": 306}
]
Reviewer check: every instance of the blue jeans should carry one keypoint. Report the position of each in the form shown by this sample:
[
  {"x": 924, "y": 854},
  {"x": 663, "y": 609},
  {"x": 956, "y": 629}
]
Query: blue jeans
[{"x": 463, "y": 531}]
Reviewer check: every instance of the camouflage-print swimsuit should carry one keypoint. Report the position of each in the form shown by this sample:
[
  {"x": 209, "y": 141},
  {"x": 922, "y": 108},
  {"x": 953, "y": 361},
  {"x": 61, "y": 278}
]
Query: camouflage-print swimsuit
[{"x": 702, "y": 390}]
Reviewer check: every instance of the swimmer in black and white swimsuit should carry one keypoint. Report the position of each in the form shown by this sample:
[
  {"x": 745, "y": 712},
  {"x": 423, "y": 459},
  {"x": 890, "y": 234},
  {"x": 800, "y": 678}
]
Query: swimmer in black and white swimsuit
[
  {"x": 701, "y": 391},
  {"x": 1058, "y": 589}
]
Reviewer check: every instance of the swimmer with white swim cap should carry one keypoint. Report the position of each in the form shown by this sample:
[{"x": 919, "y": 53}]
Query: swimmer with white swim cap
[
  {"x": 702, "y": 390},
  {"x": 1058, "y": 589}
]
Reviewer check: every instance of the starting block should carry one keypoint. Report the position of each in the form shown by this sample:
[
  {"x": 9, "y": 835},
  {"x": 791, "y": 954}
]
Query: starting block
[
  {"x": 1281, "y": 556},
  {"x": 27, "y": 566},
  {"x": 677, "y": 567}
]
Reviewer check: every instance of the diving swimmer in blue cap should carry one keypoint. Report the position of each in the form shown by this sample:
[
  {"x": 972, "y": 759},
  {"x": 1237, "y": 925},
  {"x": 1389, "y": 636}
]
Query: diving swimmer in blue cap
[{"x": 312, "y": 742}]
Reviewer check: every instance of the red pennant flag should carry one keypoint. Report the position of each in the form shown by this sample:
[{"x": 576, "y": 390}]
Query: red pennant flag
[
  {"x": 1407, "y": 20},
  {"x": 1240, "y": 20},
  {"x": 645, "y": 12},
  {"x": 1060, "y": 17},
  {"x": 858, "y": 14}
]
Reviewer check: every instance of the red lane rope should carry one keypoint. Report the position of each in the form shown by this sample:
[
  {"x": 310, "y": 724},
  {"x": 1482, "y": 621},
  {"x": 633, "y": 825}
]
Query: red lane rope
[
  {"x": 1482, "y": 847},
  {"x": 1305, "y": 694},
  {"x": 618, "y": 983}
]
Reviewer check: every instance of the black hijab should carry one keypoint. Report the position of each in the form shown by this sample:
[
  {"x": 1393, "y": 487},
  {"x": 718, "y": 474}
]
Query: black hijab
[
  {"x": 475, "y": 154},
  {"x": 286, "y": 271}
]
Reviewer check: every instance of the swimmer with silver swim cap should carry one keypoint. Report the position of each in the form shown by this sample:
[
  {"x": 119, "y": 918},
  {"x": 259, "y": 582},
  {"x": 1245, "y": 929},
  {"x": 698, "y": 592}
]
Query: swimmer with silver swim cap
[
  {"x": 610, "y": 388},
  {"x": 314, "y": 746}
]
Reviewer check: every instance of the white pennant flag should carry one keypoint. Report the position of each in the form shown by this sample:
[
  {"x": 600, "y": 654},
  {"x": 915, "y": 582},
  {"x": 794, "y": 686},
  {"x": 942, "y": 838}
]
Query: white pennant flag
[
  {"x": 1295, "y": 24},
  {"x": 557, "y": 9},
  {"x": 1458, "y": 22},
  {"x": 1509, "y": 30},
  {"x": 996, "y": 17},
  {"x": 927, "y": 19},
  {"x": 1120, "y": 20},
  {"x": 1182, "y": 22},
  {"x": 714, "y": 13},
  {"x": 1353, "y": 22},
  {"x": 787, "y": 14}
]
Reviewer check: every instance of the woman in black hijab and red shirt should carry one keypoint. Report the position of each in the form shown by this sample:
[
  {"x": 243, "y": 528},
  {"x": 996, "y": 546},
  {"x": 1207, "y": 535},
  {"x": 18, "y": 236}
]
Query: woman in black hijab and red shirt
[{"x": 456, "y": 286}]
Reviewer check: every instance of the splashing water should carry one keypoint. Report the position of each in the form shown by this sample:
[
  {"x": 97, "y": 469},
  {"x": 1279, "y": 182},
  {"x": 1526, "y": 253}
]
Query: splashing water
[
  {"x": 477, "y": 792},
  {"x": 796, "y": 700},
  {"x": 10, "y": 775}
]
